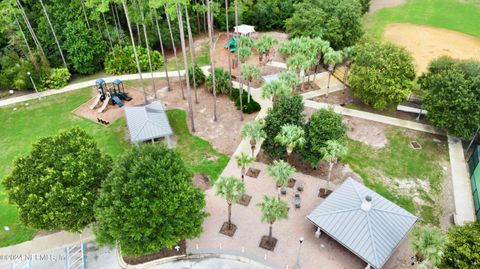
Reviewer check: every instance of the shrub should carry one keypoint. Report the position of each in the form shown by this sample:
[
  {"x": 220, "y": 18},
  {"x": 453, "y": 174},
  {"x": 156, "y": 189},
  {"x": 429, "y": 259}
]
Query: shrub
[
  {"x": 85, "y": 47},
  {"x": 286, "y": 110},
  {"x": 365, "y": 5},
  {"x": 14, "y": 69},
  {"x": 463, "y": 247},
  {"x": 382, "y": 74},
  {"x": 122, "y": 60},
  {"x": 248, "y": 107},
  {"x": 222, "y": 81},
  {"x": 148, "y": 202},
  {"x": 323, "y": 125},
  {"x": 199, "y": 76},
  {"x": 55, "y": 186},
  {"x": 58, "y": 78},
  {"x": 452, "y": 91}
]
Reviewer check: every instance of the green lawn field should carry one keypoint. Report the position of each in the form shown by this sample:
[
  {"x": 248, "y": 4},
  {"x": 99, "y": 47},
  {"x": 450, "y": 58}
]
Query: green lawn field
[
  {"x": 23, "y": 126},
  {"x": 457, "y": 15}
]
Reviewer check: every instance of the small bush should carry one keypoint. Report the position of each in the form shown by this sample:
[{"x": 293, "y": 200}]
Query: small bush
[
  {"x": 199, "y": 76},
  {"x": 14, "y": 69},
  {"x": 222, "y": 81},
  {"x": 122, "y": 60},
  {"x": 247, "y": 107},
  {"x": 58, "y": 78}
]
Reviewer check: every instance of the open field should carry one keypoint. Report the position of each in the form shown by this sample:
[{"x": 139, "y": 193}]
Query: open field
[
  {"x": 26, "y": 124},
  {"x": 457, "y": 15}
]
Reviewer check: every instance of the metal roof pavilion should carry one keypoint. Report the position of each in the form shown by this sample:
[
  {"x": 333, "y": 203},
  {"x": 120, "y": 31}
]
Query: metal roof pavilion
[
  {"x": 147, "y": 122},
  {"x": 244, "y": 29},
  {"x": 363, "y": 221}
]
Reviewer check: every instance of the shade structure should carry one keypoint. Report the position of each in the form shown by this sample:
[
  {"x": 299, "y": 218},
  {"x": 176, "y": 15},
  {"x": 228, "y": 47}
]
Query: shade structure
[
  {"x": 244, "y": 29},
  {"x": 363, "y": 221},
  {"x": 147, "y": 122}
]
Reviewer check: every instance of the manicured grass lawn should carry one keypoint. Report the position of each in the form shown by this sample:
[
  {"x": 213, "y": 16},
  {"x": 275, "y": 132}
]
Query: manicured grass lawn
[
  {"x": 21, "y": 128},
  {"x": 399, "y": 161},
  {"x": 457, "y": 15}
]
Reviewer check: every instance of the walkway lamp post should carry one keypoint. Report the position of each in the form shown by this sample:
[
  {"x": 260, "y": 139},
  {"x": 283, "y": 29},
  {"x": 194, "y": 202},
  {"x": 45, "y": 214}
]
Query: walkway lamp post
[
  {"x": 34, "y": 86},
  {"x": 297, "y": 264}
]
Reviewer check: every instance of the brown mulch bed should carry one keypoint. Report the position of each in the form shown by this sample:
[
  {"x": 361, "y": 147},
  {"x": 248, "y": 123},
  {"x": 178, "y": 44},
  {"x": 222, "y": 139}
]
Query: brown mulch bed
[
  {"x": 291, "y": 183},
  {"x": 307, "y": 87},
  {"x": 252, "y": 172},
  {"x": 341, "y": 98},
  {"x": 163, "y": 253},
  {"x": 228, "y": 231},
  {"x": 266, "y": 244},
  {"x": 201, "y": 181},
  {"x": 324, "y": 193},
  {"x": 245, "y": 200}
]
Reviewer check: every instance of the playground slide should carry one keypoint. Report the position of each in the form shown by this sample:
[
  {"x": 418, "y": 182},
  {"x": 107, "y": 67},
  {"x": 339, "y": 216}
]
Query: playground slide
[
  {"x": 104, "y": 105},
  {"x": 95, "y": 103},
  {"x": 117, "y": 101}
]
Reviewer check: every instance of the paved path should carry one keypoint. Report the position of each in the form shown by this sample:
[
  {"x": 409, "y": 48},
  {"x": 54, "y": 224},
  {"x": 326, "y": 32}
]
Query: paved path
[
  {"x": 462, "y": 190},
  {"x": 90, "y": 83},
  {"x": 277, "y": 64},
  {"x": 323, "y": 91}
]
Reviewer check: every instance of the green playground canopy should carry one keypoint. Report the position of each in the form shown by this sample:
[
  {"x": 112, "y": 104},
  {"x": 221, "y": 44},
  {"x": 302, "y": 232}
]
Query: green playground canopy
[{"x": 232, "y": 44}]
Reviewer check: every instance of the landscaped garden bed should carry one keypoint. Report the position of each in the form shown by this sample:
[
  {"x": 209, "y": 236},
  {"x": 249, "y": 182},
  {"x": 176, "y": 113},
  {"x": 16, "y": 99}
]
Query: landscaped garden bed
[{"x": 163, "y": 253}]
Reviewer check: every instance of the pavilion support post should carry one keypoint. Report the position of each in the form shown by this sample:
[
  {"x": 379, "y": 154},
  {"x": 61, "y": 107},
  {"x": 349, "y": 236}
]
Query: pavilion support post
[{"x": 318, "y": 233}]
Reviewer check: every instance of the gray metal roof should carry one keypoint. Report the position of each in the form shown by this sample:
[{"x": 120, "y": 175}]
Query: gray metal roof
[
  {"x": 371, "y": 234},
  {"x": 147, "y": 122}
]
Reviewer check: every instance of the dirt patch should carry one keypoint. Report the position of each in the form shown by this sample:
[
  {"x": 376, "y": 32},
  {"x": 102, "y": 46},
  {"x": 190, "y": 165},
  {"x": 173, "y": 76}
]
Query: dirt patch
[
  {"x": 336, "y": 98},
  {"x": 268, "y": 244},
  {"x": 428, "y": 43},
  {"x": 201, "y": 181},
  {"x": 228, "y": 230},
  {"x": 365, "y": 131},
  {"x": 112, "y": 112},
  {"x": 379, "y": 4},
  {"x": 245, "y": 200},
  {"x": 252, "y": 172},
  {"x": 163, "y": 253}
]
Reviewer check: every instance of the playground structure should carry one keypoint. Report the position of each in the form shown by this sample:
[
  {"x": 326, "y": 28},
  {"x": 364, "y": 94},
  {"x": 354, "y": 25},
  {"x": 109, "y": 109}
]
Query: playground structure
[
  {"x": 232, "y": 45},
  {"x": 106, "y": 95}
]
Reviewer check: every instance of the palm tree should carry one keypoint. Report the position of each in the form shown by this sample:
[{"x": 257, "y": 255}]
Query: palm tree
[
  {"x": 174, "y": 49},
  {"x": 165, "y": 60},
  {"x": 244, "y": 53},
  {"x": 249, "y": 73},
  {"x": 30, "y": 29},
  {"x": 332, "y": 58},
  {"x": 185, "y": 63},
  {"x": 323, "y": 46},
  {"x": 333, "y": 151},
  {"x": 243, "y": 160},
  {"x": 290, "y": 78},
  {"x": 238, "y": 62},
  {"x": 148, "y": 48},
  {"x": 292, "y": 137},
  {"x": 54, "y": 34},
  {"x": 254, "y": 132},
  {"x": 281, "y": 172},
  {"x": 273, "y": 209},
  {"x": 192, "y": 52},
  {"x": 232, "y": 190},
  {"x": 299, "y": 62},
  {"x": 228, "y": 38},
  {"x": 264, "y": 45},
  {"x": 348, "y": 54},
  {"x": 429, "y": 243},
  {"x": 273, "y": 90},
  {"x": 212, "y": 58},
  {"x": 85, "y": 13},
  {"x": 125, "y": 8}
]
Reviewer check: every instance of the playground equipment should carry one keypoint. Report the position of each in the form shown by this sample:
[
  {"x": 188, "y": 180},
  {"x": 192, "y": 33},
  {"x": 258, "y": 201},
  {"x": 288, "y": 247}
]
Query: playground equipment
[
  {"x": 232, "y": 44},
  {"x": 113, "y": 95}
]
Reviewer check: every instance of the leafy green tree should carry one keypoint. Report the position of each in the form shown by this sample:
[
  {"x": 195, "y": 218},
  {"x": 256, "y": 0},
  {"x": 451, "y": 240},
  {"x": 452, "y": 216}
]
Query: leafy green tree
[
  {"x": 290, "y": 78},
  {"x": 286, "y": 110},
  {"x": 452, "y": 90},
  {"x": 462, "y": 250},
  {"x": 85, "y": 48},
  {"x": 254, "y": 132},
  {"x": 249, "y": 73},
  {"x": 222, "y": 81},
  {"x": 244, "y": 160},
  {"x": 56, "y": 185},
  {"x": 338, "y": 21},
  {"x": 281, "y": 172},
  {"x": 382, "y": 74},
  {"x": 275, "y": 89},
  {"x": 148, "y": 202},
  {"x": 428, "y": 242},
  {"x": 57, "y": 79},
  {"x": 292, "y": 137},
  {"x": 365, "y": 5},
  {"x": 323, "y": 125},
  {"x": 333, "y": 151},
  {"x": 267, "y": 15},
  {"x": 232, "y": 190},
  {"x": 122, "y": 60},
  {"x": 273, "y": 209}
]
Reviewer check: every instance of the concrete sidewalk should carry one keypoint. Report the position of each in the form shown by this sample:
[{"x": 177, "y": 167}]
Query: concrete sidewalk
[{"x": 90, "y": 83}]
